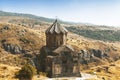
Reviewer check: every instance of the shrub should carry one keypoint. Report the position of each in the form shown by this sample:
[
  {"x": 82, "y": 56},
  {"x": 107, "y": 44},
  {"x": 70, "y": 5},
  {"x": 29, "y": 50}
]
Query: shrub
[
  {"x": 26, "y": 72},
  {"x": 26, "y": 40}
]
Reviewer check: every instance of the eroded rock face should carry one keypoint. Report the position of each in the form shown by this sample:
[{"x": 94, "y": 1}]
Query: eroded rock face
[
  {"x": 12, "y": 48},
  {"x": 4, "y": 28},
  {"x": 87, "y": 56},
  {"x": 97, "y": 53}
]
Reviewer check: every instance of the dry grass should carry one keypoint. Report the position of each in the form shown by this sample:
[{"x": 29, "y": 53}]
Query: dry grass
[
  {"x": 108, "y": 72},
  {"x": 21, "y": 36},
  {"x": 37, "y": 39},
  {"x": 7, "y": 72}
]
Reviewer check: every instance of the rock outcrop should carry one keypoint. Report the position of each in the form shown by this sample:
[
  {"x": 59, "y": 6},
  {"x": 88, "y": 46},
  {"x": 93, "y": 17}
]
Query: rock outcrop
[
  {"x": 92, "y": 55},
  {"x": 15, "y": 49}
]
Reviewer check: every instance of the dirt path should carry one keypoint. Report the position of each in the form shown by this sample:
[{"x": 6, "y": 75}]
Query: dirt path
[{"x": 84, "y": 77}]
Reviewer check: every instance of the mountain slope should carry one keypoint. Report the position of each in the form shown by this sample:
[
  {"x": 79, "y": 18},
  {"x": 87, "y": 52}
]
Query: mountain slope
[
  {"x": 97, "y": 32},
  {"x": 3, "y": 13},
  {"x": 23, "y": 40},
  {"x": 17, "y": 44},
  {"x": 106, "y": 34},
  {"x": 34, "y": 39},
  {"x": 22, "y": 37}
]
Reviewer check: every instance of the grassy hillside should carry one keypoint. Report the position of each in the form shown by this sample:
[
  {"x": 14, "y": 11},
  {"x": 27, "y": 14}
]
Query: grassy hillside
[
  {"x": 18, "y": 35},
  {"x": 17, "y": 43},
  {"x": 96, "y": 32},
  {"x": 104, "y": 35},
  {"x": 7, "y": 72},
  {"x": 22, "y": 36},
  {"x": 27, "y": 42},
  {"x": 21, "y": 40}
]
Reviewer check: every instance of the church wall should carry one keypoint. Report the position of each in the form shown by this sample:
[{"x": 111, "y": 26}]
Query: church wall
[
  {"x": 75, "y": 68},
  {"x": 64, "y": 39},
  {"x": 49, "y": 66},
  {"x": 57, "y": 69}
]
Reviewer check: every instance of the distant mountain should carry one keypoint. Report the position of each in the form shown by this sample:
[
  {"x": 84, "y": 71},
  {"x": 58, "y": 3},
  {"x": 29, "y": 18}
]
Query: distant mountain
[
  {"x": 97, "y": 32},
  {"x": 3, "y": 13}
]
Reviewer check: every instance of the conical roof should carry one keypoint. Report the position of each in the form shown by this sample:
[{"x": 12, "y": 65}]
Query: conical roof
[{"x": 56, "y": 28}]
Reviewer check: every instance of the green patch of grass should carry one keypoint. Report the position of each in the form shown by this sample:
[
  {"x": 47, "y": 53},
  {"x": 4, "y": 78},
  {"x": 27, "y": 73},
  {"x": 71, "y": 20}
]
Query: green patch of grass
[{"x": 105, "y": 35}]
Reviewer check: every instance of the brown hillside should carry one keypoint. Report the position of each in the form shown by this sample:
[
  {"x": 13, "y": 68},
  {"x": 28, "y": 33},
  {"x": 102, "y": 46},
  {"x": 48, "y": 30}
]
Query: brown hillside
[{"x": 31, "y": 40}]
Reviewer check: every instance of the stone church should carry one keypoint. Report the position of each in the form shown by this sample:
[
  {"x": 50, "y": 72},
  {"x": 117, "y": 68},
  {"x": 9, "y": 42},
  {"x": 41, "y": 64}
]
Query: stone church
[{"x": 57, "y": 58}]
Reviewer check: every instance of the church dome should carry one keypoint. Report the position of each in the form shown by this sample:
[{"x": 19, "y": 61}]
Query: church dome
[{"x": 56, "y": 28}]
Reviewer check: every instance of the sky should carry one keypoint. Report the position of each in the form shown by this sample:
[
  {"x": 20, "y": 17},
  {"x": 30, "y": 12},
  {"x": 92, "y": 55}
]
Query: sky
[{"x": 101, "y": 12}]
